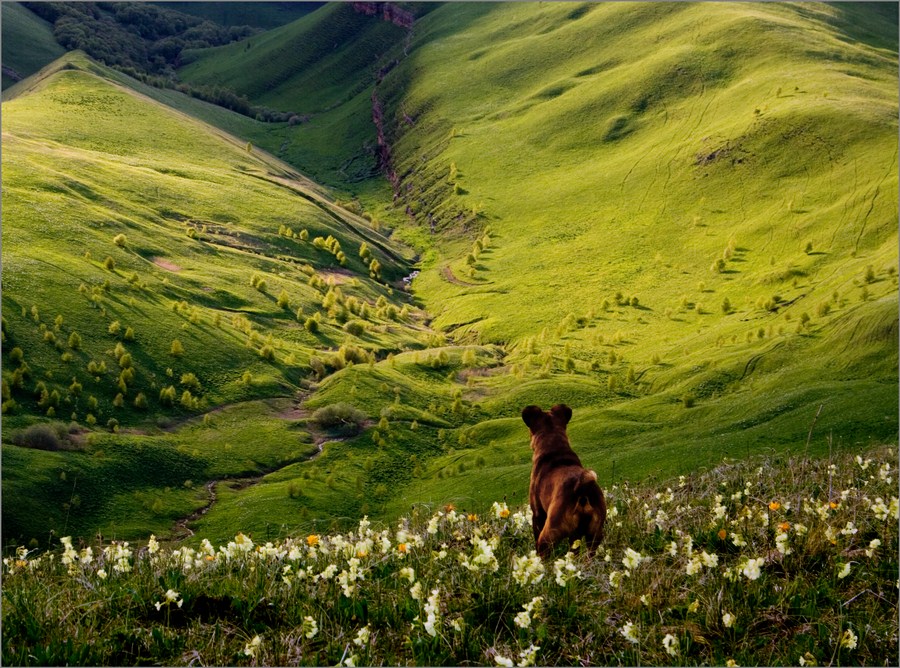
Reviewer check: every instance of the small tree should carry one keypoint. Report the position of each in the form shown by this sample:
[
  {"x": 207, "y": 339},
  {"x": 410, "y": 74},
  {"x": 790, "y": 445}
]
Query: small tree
[
  {"x": 284, "y": 300},
  {"x": 109, "y": 263},
  {"x": 119, "y": 240},
  {"x": 74, "y": 340},
  {"x": 176, "y": 348}
]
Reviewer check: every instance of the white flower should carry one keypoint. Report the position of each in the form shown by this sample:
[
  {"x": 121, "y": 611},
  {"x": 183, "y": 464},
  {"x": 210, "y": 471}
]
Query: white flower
[
  {"x": 849, "y": 639},
  {"x": 503, "y": 661},
  {"x": 751, "y": 568},
  {"x": 629, "y": 632},
  {"x": 670, "y": 642},
  {"x": 645, "y": 599},
  {"x": 844, "y": 572},
  {"x": 408, "y": 573},
  {"x": 728, "y": 620},
  {"x": 457, "y": 625},
  {"x": 523, "y": 618},
  {"x": 528, "y": 569},
  {"x": 874, "y": 545},
  {"x": 101, "y": 574},
  {"x": 309, "y": 628},
  {"x": 252, "y": 647},
  {"x": 615, "y": 578},
  {"x": 633, "y": 559},
  {"x": 565, "y": 568},
  {"x": 350, "y": 661},
  {"x": 152, "y": 545},
  {"x": 501, "y": 511},
  {"x": 527, "y": 656},
  {"x": 416, "y": 591},
  {"x": 431, "y": 610},
  {"x": 362, "y": 637},
  {"x": 849, "y": 530},
  {"x": 709, "y": 560}
]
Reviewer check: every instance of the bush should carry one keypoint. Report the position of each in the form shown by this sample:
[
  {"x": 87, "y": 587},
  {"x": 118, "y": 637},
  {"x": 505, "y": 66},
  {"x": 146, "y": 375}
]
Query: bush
[
  {"x": 119, "y": 240},
  {"x": 355, "y": 327},
  {"x": 341, "y": 417},
  {"x": 311, "y": 325},
  {"x": 42, "y": 436}
]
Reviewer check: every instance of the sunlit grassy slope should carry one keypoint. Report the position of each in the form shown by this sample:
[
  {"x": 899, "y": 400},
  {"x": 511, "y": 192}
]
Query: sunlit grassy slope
[
  {"x": 128, "y": 227},
  {"x": 680, "y": 219},
  {"x": 636, "y": 165},
  {"x": 21, "y": 27}
]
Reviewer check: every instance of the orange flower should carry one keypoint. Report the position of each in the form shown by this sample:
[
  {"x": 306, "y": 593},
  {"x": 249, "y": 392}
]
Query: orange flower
[
  {"x": 784, "y": 526},
  {"x": 210, "y": 557},
  {"x": 722, "y": 534},
  {"x": 402, "y": 548},
  {"x": 473, "y": 517},
  {"x": 362, "y": 554},
  {"x": 449, "y": 508},
  {"x": 774, "y": 505},
  {"x": 504, "y": 513},
  {"x": 312, "y": 540},
  {"x": 833, "y": 505}
]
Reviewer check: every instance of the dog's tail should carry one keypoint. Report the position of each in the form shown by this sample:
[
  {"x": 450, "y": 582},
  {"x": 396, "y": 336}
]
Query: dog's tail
[{"x": 586, "y": 490}]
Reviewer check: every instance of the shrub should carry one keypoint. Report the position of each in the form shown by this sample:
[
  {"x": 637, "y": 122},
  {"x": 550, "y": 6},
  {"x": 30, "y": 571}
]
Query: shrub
[
  {"x": 41, "y": 436},
  {"x": 140, "y": 401},
  {"x": 190, "y": 381},
  {"x": 119, "y": 240},
  {"x": 284, "y": 300},
  {"x": 129, "y": 334},
  {"x": 726, "y": 305},
  {"x": 688, "y": 400},
  {"x": 109, "y": 263},
  {"x": 119, "y": 401},
  {"x": 311, "y": 325},
  {"x": 167, "y": 395},
  {"x": 74, "y": 341},
  {"x": 340, "y": 416},
  {"x": 267, "y": 352},
  {"x": 176, "y": 348},
  {"x": 355, "y": 327}
]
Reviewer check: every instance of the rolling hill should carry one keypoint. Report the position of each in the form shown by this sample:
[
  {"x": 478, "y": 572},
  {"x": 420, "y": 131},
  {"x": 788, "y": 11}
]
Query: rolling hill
[{"x": 678, "y": 218}]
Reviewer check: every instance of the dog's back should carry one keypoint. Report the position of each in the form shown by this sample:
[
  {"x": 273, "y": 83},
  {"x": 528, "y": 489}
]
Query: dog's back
[{"x": 566, "y": 501}]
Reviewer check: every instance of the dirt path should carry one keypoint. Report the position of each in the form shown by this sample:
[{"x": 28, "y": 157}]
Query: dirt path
[{"x": 448, "y": 275}]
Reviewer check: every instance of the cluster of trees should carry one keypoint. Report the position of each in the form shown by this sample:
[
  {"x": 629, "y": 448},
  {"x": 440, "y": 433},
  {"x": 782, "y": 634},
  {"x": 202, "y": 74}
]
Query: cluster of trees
[
  {"x": 139, "y": 35},
  {"x": 147, "y": 42}
]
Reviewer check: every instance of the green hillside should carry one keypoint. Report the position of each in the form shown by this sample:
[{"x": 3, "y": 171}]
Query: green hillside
[
  {"x": 680, "y": 219},
  {"x": 21, "y": 27},
  {"x": 155, "y": 269}
]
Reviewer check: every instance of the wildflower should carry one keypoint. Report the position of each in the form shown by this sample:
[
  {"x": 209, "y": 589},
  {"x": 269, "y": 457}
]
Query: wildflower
[
  {"x": 774, "y": 505},
  {"x": 694, "y": 566},
  {"x": 102, "y": 574},
  {"x": 431, "y": 610},
  {"x": 807, "y": 660},
  {"x": 312, "y": 540},
  {"x": 402, "y": 548},
  {"x": 722, "y": 534},
  {"x": 709, "y": 560},
  {"x": 750, "y": 568},
  {"x": 863, "y": 464},
  {"x": 694, "y": 606},
  {"x": 738, "y": 540},
  {"x": 503, "y": 661},
  {"x": 528, "y": 569},
  {"x": 629, "y": 632},
  {"x": 849, "y": 639},
  {"x": 416, "y": 591},
  {"x": 309, "y": 628},
  {"x": 252, "y": 647},
  {"x": 152, "y": 545},
  {"x": 849, "y": 529},
  {"x": 874, "y": 545},
  {"x": 833, "y": 505},
  {"x": 244, "y": 544},
  {"x": 670, "y": 643},
  {"x": 728, "y": 620},
  {"x": 615, "y": 578},
  {"x": 408, "y": 573},
  {"x": 645, "y": 599},
  {"x": 501, "y": 511},
  {"x": 784, "y": 526},
  {"x": 449, "y": 508},
  {"x": 781, "y": 545},
  {"x": 527, "y": 656},
  {"x": 523, "y": 618},
  {"x": 472, "y": 517},
  {"x": 362, "y": 637},
  {"x": 433, "y": 524},
  {"x": 350, "y": 661},
  {"x": 632, "y": 559},
  {"x": 673, "y": 549},
  {"x": 844, "y": 572},
  {"x": 731, "y": 663},
  {"x": 563, "y": 566},
  {"x": 457, "y": 625}
]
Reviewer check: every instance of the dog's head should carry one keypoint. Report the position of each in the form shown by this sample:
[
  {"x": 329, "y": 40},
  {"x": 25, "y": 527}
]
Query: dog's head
[{"x": 546, "y": 424}]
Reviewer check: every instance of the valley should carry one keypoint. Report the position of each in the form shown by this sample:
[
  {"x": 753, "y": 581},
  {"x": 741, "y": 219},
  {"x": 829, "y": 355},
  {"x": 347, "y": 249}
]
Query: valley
[{"x": 679, "y": 219}]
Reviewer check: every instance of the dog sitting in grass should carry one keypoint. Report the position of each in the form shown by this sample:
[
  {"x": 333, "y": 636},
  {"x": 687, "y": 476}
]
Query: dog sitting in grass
[{"x": 566, "y": 501}]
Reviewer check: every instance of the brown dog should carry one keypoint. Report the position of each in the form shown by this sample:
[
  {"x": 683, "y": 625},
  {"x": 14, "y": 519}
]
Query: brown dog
[{"x": 566, "y": 501}]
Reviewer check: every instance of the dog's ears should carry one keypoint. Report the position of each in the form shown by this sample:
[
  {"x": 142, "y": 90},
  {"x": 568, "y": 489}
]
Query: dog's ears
[
  {"x": 561, "y": 413},
  {"x": 533, "y": 416}
]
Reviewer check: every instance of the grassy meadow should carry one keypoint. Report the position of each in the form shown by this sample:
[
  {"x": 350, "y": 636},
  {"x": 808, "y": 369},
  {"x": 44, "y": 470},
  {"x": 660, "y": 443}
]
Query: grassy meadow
[
  {"x": 680, "y": 219},
  {"x": 762, "y": 561}
]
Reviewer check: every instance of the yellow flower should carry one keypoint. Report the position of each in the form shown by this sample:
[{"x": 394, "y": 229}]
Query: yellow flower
[
  {"x": 832, "y": 505},
  {"x": 504, "y": 513},
  {"x": 774, "y": 505},
  {"x": 362, "y": 554},
  {"x": 401, "y": 548},
  {"x": 472, "y": 517},
  {"x": 784, "y": 526},
  {"x": 312, "y": 539}
]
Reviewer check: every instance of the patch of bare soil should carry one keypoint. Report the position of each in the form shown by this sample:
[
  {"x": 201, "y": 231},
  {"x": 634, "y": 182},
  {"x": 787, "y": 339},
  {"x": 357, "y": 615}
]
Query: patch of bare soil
[{"x": 165, "y": 264}]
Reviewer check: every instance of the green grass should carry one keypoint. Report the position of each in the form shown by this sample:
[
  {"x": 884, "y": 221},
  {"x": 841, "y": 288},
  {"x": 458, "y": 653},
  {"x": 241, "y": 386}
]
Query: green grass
[
  {"x": 22, "y": 27},
  {"x": 767, "y": 561},
  {"x": 597, "y": 161}
]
